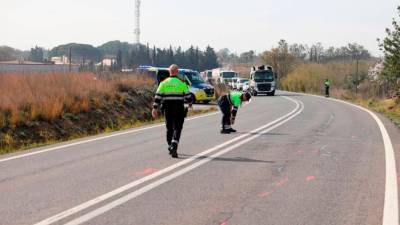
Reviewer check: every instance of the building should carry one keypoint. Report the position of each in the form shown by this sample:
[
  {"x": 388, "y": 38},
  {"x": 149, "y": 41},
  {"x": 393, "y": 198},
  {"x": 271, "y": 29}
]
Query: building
[{"x": 60, "y": 60}]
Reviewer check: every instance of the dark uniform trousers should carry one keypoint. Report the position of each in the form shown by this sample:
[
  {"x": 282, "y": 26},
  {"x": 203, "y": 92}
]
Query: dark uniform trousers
[
  {"x": 174, "y": 118},
  {"x": 327, "y": 90},
  {"x": 226, "y": 109}
]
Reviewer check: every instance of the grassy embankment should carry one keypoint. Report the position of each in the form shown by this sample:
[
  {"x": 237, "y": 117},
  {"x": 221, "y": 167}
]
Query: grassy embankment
[
  {"x": 41, "y": 109},
  {"x": 309, "y": 78}
]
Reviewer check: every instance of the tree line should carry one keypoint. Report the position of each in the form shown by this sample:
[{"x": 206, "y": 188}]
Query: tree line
[
  {"x": 124, "y": 55},
  {"x": 192, "y": 58}
]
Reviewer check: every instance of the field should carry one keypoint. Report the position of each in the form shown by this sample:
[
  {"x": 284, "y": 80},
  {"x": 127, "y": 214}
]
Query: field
[
  {"x": 309, "y": 78},
  {"x": 44, "y": 108}
]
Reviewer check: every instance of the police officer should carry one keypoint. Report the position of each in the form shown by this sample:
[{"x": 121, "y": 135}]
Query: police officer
[
  {"x": 229, "y": 105},
  {"x": 327, "y": 87},
  {"x": 172, "y": 93}
]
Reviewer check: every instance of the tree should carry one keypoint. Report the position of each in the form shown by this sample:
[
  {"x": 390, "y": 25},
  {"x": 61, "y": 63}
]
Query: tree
[
  {"x": 80, "y": 51},
  {"x": 316, "y": 52},
  {"x": 299, "y": 51},
  {"x": 209, "y": 59},
  {"x": 36, "y": 54},
  {"x": 247, "y": 57},
  {"x": 391, "y": 50},
  {"x": 280, "y": 59},
  {"x": 8, "y": 54}
]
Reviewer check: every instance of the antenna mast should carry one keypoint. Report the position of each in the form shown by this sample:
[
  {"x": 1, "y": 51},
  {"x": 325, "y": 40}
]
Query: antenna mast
[{"x": 137, "y": 21}]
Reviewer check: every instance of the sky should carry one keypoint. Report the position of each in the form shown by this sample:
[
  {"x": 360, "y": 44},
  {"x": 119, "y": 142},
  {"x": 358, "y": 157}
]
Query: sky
[{"x": 238, "y": 25}]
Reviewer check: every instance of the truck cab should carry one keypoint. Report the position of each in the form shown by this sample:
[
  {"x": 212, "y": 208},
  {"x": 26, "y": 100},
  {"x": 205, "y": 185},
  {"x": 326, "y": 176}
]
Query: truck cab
[
  {"x": 263, "y": 80},
  {"x": 222, "y": 76}
]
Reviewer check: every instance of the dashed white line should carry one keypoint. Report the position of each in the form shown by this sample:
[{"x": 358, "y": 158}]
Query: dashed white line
[{"x": 126, "y": 187}]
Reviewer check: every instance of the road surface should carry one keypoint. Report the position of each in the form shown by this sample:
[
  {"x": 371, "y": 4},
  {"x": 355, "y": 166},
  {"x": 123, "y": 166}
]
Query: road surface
[{"x": 296, "y": 160}]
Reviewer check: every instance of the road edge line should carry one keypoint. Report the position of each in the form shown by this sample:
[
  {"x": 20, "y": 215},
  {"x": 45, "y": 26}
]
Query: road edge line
[{"x": 391, "y": 202}]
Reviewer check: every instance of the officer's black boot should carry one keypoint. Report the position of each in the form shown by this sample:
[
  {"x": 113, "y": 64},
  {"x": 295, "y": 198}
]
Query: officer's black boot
[
  {"x": 169, "y": 149},
  {"x": 225, "y": 131},
  {"x": 232, "y": 130},
  {"x": 174, "y": 150}
]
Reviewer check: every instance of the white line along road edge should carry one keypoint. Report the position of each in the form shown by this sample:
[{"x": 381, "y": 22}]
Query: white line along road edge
[
  {"x": 130, "y": 196},
  {"x": 391, "y": 205},
  {"x": 126, "y": 187},
  {"x": 94, "y": 139}
]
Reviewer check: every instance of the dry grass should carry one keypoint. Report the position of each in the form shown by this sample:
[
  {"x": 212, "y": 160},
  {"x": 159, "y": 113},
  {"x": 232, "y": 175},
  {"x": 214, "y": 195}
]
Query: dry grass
[
  {"x": 47, "y": 96},
  {"x": 310, "y": 77}
]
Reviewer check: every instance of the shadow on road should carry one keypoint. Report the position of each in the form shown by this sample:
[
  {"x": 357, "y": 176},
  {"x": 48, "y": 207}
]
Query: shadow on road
[{"x": 236, "y": 159}]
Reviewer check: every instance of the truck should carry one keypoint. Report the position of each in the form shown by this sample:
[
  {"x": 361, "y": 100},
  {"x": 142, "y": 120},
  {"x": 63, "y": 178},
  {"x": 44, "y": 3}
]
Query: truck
[
  {"x": 200, "y": 90},
  {"x": 207, "y": 75},
  {"x": 223, "y": 76},
  {"x": 263, "y": 80}
]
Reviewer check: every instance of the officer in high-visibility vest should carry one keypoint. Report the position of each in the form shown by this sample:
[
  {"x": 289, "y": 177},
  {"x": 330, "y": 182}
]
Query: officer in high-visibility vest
[
  {"x": 229, "y": 105},
  {"x": 327, "y": 87},
  {"x": 172, "y": 93}
]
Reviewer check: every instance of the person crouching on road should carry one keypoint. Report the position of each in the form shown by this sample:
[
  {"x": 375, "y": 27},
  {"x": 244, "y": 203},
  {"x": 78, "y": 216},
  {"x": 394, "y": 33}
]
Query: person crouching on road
[
  {"x": 172, "y": 93},
  {"x": 229, "y": 105}
]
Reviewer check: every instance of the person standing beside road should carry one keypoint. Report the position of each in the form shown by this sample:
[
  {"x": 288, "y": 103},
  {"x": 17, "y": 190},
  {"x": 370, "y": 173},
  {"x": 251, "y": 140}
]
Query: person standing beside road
[
  {"x": 229, "y": 105},
  {"x": 172, "y": 93},
  {"x": 327, "y": 87}
]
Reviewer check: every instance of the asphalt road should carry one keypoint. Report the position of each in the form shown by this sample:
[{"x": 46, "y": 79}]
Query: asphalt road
[{"x": 296, "y": 160}]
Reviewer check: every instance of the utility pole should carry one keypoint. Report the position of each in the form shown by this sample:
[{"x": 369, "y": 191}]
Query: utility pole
[
  {"x": 357, "y": 79},
  {"x": 70, "y": 59}
]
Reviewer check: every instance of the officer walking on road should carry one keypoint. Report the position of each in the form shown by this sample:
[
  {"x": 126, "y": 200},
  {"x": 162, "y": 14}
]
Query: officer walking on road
[
  {"x": 327, "y": 87},
  {"x": 172, "y": 93},
  {"x": 229, "y": 105}
]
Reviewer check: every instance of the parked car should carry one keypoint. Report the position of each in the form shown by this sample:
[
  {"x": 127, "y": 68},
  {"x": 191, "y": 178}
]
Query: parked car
[{"x": 240, "y": 83}]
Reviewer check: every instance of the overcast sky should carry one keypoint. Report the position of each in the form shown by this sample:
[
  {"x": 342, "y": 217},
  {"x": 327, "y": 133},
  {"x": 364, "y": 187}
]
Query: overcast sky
[{"x": 237, "y": 25}]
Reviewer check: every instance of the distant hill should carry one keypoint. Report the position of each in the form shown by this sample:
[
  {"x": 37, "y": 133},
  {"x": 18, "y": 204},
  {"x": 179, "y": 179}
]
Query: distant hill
[
  {"x": 9, "y": 54},
  {"x": 79, "y": 52}
]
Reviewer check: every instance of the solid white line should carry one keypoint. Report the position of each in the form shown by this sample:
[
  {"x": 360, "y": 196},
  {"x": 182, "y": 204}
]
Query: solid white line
[
  {"x": 94, "y": 139},
  {"x": 128, "y": 197},
  {"x": 126, "y": 187},
  {"x": 391, "y": 205}
]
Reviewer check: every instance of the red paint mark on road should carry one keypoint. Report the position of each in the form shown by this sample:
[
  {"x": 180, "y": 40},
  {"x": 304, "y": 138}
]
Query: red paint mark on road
[
  {"x": 299, "y": 152},
  {"x": 310, "y": 178},
  {"x": 282, "y": 182},
  {"x": 264, "y": 195},
  {"x": 225, "y": 222},
  {"x": 146, "y": 171}
]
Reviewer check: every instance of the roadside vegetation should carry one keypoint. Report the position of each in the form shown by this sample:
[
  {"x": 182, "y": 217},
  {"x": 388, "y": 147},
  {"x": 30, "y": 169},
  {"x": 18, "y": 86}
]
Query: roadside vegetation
[
  {"x": 38, "y": 109},
  {"x": 355, "y": 75}
]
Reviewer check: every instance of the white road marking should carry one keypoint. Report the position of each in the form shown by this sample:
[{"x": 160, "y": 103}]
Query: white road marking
[
  {"x": 94, "y": 139},
  {"x": 128, "y": 197},
  {"x": 126, "y": 187},
  {"x": 391, "y": 205}
]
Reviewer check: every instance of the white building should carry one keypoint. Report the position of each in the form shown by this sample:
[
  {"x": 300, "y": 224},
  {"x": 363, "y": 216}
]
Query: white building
[{"x": 60, "y": 60}]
